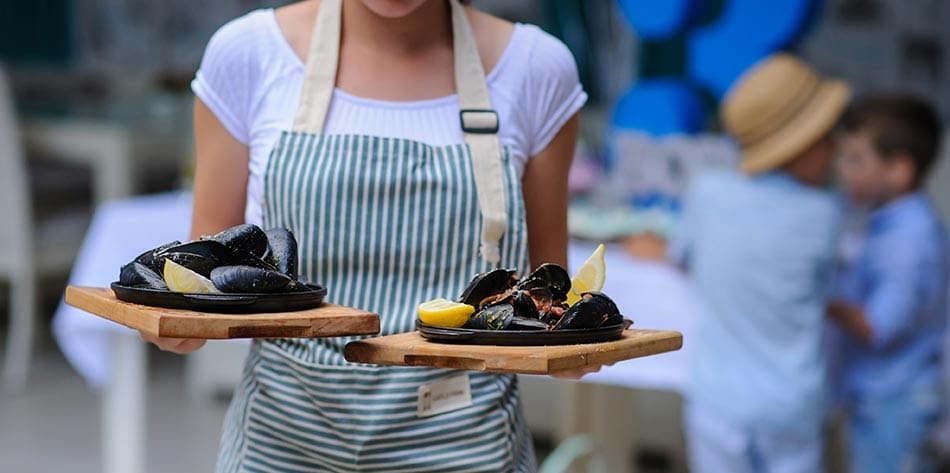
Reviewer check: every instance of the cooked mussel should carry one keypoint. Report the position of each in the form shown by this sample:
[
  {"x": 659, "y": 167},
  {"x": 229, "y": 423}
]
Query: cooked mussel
[
  {"x": 202, "y": 256},
  {"x": 487, "y": 285},
  {"x": 151, "y": 258},
  {"x": 282, "y": 251},
  {"x": 503, "y": 317},
  {"x": 136, "y": 274},
  {"x": 592, "y": 311},
  {"x": 550, "y": 276},
  {"x": 248, "y": 279},
  {"x": 244, "y": 237}
]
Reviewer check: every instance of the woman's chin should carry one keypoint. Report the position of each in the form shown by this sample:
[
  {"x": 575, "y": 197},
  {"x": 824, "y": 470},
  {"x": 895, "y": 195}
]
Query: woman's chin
[{"x": 393, "y": 9}]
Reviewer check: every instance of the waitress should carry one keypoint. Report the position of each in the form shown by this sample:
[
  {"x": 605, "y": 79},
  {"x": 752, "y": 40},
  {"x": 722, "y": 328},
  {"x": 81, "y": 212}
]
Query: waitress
[{"x": 370, "y": 129}]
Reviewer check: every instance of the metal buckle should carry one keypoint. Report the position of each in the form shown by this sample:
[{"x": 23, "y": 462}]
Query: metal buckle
[{"x": 482, "y": 119}]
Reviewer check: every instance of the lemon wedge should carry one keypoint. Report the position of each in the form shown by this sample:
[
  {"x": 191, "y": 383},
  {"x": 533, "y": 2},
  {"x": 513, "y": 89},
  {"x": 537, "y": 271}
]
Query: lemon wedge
[
  {"x": 444, "y": 313},
  {"x": 181, "y": 279},
  {"x": 589, "y": 277}
]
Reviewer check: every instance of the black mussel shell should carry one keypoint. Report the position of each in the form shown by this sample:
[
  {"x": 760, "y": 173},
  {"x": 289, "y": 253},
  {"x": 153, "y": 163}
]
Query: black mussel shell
[
  {"x": 592, "y": 311},
  {"x": 493, "y": 317},
  {"x": 503, "y": 317},
  {"x": 524, "y": 305},
  {"x": 524, "y": 323},
  {"x": 200, "y": 264},
  {"x": 487, "y": 284},
  {"x": 202, "y": 256},
  {"x": 248, "y": 279},
  {"x": 553, "y": 276},
  {"x": 244, "y": 237},
  {"x": 282, "y": 251},
  {"x": 151, "y": 258},
  {"x": 136, "y": 274}
]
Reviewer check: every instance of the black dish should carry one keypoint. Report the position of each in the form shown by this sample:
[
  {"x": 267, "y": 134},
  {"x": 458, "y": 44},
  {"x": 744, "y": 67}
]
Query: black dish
[
  {"x": 470, "y": 336},
  {"x": 223, "y": 303}
]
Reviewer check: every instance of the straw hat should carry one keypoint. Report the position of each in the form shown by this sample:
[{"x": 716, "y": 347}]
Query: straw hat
[{"x": 780, "y": 107}]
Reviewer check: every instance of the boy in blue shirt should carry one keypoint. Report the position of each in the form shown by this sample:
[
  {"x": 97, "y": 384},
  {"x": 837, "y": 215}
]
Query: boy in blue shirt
[
  {"x": 759, "y": 247},
  {"x": 893, "y": 312}
]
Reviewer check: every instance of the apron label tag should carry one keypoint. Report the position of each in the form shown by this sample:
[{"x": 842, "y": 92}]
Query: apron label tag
[{"x": 444, "y": 395}]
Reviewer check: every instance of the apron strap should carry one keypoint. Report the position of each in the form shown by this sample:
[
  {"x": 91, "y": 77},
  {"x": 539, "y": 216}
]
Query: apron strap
[
  {"x": 480, "y": 125},
  {"x": 320, "y": 76},
  {"x": 479, "y": 122}
]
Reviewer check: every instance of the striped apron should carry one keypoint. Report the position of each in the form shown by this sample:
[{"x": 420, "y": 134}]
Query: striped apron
[{"x": 384, "y": 223}]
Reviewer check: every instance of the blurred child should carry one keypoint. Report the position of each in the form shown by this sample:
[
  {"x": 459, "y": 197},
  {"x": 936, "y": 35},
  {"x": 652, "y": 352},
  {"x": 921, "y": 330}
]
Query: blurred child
[
  {"x": 759, "y": 247},
  {"x": 894, "y": 311}
]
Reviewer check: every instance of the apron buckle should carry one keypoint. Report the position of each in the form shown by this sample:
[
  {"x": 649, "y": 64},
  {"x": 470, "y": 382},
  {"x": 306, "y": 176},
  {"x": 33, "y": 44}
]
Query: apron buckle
[{"x": 481, "y": 121}]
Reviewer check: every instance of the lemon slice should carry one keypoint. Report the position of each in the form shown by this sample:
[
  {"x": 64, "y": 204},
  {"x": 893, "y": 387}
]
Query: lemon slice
[
  {"x": 181, "y": 279},
  {"x": 444, "y": 313},
  {"x": 589, "y": 277}
]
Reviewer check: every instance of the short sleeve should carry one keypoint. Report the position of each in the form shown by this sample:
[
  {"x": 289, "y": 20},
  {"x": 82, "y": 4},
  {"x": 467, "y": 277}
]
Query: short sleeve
[
  {"x": 554, "y": 90},
  {"x": 224, "y": 80}
]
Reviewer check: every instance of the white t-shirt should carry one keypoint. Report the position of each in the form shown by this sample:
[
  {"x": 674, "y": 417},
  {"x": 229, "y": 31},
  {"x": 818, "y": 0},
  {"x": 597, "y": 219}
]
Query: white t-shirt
[{"x": 250, "y": 78}]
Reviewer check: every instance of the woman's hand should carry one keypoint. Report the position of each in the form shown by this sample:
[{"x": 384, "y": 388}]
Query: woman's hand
[
  {"x": 576, "y": 373},
  {"x": 180, "y": 346}
]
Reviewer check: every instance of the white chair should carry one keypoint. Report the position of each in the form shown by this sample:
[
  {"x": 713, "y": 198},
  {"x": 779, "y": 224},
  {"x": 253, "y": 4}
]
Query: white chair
[
  {"x": 16, "y": 244},
  {"x": 29, "y": 249}
]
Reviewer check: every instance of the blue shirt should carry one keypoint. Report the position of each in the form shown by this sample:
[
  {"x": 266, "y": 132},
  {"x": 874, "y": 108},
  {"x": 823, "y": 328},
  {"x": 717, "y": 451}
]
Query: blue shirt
[
  {"x": 760, "y": 253},
  {"x": 900, "y": 280}
]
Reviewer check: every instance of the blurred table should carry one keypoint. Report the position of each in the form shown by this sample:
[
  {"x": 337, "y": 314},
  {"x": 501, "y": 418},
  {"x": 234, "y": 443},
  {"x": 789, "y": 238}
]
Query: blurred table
[
  {"x": 653, "y": 295},
  {"x": 107, "y": 355}
]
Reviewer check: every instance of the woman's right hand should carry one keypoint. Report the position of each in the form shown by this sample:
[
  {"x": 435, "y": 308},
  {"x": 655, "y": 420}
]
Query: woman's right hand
[{"x": 180, "y": 346}]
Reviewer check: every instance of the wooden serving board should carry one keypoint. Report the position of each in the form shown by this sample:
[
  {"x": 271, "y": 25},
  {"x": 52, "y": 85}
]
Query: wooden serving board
[
  {"x": 410, "y": 349},
  {"x": 326, "y": 321}
]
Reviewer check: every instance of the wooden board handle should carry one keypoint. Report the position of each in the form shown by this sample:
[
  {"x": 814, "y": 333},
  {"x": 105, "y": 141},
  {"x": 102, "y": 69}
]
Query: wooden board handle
[{"x": 459, "y": 363}]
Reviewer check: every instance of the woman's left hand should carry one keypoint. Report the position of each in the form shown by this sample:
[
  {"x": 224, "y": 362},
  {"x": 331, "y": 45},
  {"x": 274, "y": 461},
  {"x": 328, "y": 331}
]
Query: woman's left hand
[{"x": 577, "y": 373}]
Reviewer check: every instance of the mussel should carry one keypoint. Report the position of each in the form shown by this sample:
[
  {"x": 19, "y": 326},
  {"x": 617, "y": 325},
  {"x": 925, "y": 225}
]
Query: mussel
[
  {"x": 550, "y": 276},
  {"x": 248, "y": 279},
  {"x": 282, "y": 251},
  {"x": 151, "y": 258},
  {"x": 487, "y": 285},
  {"x": 245, "y": 237},
  {"x": 503, "y": 317},
  {"x": 202, "y": 256},
  {"x": 136, "y": 274},
  {"x": 592, "y": 311}
]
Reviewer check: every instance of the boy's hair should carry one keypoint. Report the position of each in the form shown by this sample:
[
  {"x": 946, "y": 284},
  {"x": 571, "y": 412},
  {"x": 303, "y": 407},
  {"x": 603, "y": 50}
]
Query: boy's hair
[{"x": 899, "y": 122}]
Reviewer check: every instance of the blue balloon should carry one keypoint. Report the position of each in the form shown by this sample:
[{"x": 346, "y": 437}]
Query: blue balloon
[
  {"x": 746, "y": 31},
  {"x": 660, "y": 106},
  {"x": 658, "y": 19}
]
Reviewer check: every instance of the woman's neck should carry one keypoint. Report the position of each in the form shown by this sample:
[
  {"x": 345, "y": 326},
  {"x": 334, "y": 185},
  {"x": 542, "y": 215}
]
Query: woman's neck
[{"x": 425, "y": 27}]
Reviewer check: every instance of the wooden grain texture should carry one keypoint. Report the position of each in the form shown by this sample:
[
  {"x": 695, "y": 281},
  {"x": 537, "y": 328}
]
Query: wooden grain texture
[
  {"x": 326, "y": 321},
  {"x": 410, "y": 349}
]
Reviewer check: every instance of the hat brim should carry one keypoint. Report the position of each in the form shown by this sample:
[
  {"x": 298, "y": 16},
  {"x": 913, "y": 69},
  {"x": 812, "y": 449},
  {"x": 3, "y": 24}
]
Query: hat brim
[{"x": 818, "y": 117}]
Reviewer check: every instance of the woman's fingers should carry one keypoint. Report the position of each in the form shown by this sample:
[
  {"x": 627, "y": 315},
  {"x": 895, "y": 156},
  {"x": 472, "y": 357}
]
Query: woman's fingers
[
  {"x": 180, "y": 346},
  {"x": 575, "y": 373}
]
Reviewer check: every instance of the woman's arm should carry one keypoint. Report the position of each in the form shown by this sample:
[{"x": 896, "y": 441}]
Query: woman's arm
[
  {"x": 545, "y": 197},
  {"x": 221, "y": 170}
]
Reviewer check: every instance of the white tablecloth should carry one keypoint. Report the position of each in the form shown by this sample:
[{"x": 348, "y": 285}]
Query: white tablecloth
[
  {"x": 120, "y": 231},
  {"x": 654, "y": 295}
]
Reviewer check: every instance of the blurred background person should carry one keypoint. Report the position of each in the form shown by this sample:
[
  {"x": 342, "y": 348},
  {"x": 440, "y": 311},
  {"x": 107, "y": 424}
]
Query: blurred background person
[
  {"x": 894, "y": 307},
  {"x": 759, "y": 248}
]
